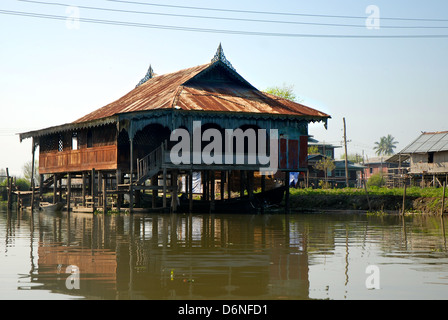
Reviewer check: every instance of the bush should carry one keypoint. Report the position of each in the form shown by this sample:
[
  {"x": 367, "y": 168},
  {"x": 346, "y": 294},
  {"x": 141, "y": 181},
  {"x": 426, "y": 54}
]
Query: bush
[
  {"x": 376, "y": 180},
  {"x": 23, "y": 184}
]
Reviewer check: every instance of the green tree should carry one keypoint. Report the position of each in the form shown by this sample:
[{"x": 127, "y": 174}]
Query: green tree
[
  {"x": 27, "y": 170},
  {"x": 385, "y": 146},
  {"x": 353, "y": 157},
  {"x": 286, "y": 91},
  {"x": 376, "y": 180},
  {"x": 326, "y": 165}
]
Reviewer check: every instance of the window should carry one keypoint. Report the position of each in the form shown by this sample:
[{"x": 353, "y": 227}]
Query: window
[
  {"x": 431, "y": 157},
  {"x": 75, "y": 144},
  {"x": 339, "y": 173},
  {"x": 61, "y": 143},
  {"x": 89, "y": 139}
]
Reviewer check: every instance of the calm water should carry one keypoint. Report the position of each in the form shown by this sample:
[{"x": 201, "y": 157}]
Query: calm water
[{"x": 163, "y": 256}]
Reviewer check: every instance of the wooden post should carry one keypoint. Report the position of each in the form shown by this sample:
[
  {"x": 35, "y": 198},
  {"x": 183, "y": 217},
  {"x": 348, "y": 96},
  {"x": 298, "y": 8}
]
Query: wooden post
[
  {"x": 83, "y": 191},
  {"x": 55, "y": 188},
  {"x": 174, "y": 194},
  {"x": 93, "y": 191},
  {"x": 223, "y": 181},
  {"x": 32, "y": 173},
  {"x": 242, "y": 183},
  {"x": 41, "y": 186},
  {"x": 346, "y": 161},
  {"x": 205, "y": 185},
  {"x": 154, "y": 183},
  {"x": 443, "y": 199},
  {"x": 104, "y": 193},
  {"x": 367, "y": 193},
  {"x": 229, "y": 185},
  {"x": 100, "y": 188},
  {"x": 69, "y": 190},
  {"x": 119, "y": 179},
  {"x": 404, "y": 198},
  {"x": 190, "y": 191},
  {"x": 212, "y": 191},
  {"x": 9, "y": 183},
  {"x": 263, "y": 189},
  {"x": 287, "y": 192},
  {"x": 164, "y": 188}
]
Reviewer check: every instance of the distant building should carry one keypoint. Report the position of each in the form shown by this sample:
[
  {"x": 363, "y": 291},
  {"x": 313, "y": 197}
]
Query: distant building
[
  {"x": 335, "y": 177},
  {"x": 427, "y": 157},
  {"x": 378, "y": 165}
]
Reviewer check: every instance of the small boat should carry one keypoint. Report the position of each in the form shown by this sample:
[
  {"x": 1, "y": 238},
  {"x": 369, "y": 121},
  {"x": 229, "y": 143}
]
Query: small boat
[
  {"x": 51, "y": 207},
  {"x": 237, "y": 205}
]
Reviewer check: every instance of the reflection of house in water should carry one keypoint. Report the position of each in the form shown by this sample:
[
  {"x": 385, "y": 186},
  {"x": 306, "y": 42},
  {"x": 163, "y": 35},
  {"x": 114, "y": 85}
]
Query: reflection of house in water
[{"x": 166, "y": 256}]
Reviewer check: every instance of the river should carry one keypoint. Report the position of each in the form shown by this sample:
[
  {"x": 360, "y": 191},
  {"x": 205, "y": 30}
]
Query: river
[{"x": 222, "y": 256}]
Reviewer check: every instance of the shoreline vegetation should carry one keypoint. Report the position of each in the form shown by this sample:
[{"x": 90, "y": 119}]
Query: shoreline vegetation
[{"x": 382, "y": 200}]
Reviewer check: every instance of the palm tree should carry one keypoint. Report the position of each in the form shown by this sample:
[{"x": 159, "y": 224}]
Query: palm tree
[{"x": 385, "y": 146}]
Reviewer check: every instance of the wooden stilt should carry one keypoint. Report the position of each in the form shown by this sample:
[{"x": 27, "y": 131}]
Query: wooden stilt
[
  {"x": 119, "y": 179},
  {"x": 250, "y": 183},
  {"x": 41, "y": 186},
  {"x": 229, "y": 184},
  {"x": 33, "y": 148},
  {"x": 205, "y": 185},
  {"x": 93, "y": 188},
  {"x": 442, "y": 210},
  {"x": 223, "y": 181},
  {"x": 104, "y": 193},
  {"x": 83, "y": 191},
  {"x": 287, "y": 192},
  {"x": 164, "y": 187},
  {"x": 404, "y": 198},
  {"x": 60, "y": 189},
  {"x": 9, "y": 181},
  {"x": 100, "y": 188},
  {"x": 190, "y": 190},
  {"x": 154, "y": 182},
  {"x": 55, "y": 188},
  {"x": 69, "y": 190},
  {"x": 263, "y": 189},
  {"x": 242, "y": 183},
  {"x": 174, "y": 193},
  {"x": 212, "y": 191}
]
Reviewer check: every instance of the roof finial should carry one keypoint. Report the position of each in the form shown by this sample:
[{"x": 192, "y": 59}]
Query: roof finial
[
  {"x": 148, "y": 76},
  {"x": 219, "y": 56}
]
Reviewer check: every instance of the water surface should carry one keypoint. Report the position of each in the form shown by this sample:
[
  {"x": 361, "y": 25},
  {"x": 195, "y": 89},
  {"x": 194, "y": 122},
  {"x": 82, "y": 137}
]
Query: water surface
[{"x": 221, "y": 256}]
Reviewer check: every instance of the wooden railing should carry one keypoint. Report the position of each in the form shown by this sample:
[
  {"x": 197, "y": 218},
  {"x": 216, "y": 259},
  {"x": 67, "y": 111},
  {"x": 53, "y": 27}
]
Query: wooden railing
[
  {"x": 150, "y": 164},
  {"x": 430, "y": 168},
  {"x": 100, "y": 158}
]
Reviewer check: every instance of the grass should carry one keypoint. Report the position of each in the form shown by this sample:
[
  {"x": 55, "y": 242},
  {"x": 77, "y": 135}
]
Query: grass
[{"x": 416, "y": 192}]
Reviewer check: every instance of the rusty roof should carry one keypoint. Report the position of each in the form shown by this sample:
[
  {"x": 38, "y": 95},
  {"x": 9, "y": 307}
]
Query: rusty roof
[{"x": 210, "y": 87}]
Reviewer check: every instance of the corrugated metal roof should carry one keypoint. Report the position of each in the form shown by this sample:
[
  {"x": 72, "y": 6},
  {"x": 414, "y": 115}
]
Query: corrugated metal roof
[
  {"x": 185, "y": 90},
  {"x": 428, "y": 142}
]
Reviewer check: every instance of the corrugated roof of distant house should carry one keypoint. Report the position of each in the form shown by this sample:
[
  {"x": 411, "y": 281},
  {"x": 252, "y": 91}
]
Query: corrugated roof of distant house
[{"x": 428, "y": 142}]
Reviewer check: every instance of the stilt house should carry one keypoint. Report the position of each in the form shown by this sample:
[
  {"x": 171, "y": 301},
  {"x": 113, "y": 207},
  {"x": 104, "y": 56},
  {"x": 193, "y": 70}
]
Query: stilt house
[{"x": 127, "y": 142}]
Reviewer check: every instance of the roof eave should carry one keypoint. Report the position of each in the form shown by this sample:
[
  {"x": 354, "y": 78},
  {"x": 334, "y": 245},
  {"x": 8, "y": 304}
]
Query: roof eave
[{"x": 67, "y": 127}]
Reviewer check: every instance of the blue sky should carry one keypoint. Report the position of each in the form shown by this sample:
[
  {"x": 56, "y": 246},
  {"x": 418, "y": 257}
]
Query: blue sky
[{"x": 52, "y": 73}]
